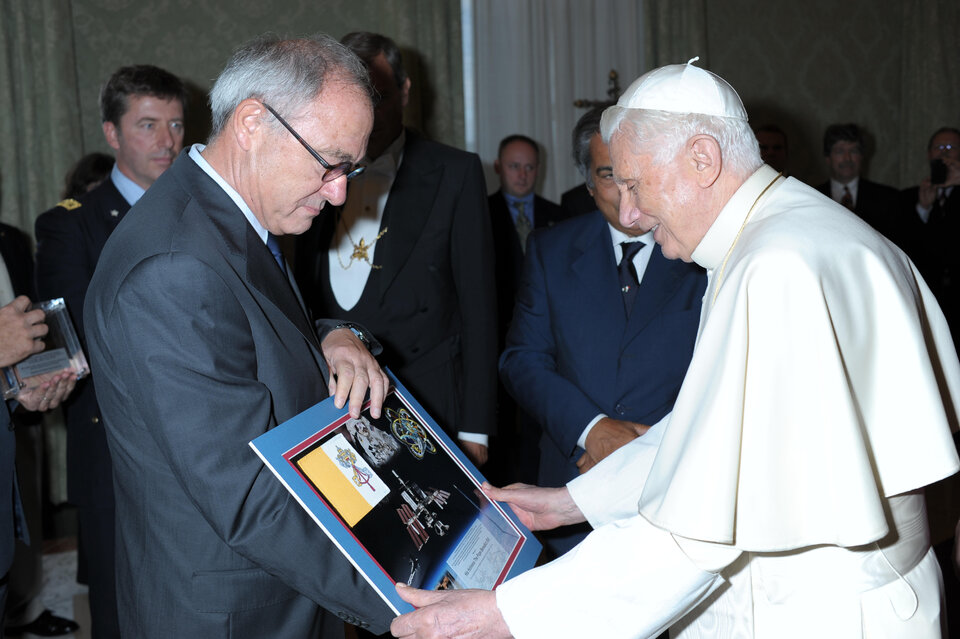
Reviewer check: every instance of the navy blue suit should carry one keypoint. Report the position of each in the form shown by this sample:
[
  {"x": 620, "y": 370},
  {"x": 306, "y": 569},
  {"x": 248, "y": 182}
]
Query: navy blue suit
[{"x": 571, "y": 352}]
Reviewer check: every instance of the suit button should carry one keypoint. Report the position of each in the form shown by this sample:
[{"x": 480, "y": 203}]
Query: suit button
[
  {"x": 95, "y": 420},
  {"x": 620, "y": 409}
]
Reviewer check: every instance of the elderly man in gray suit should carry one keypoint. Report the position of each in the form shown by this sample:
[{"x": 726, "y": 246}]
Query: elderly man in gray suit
[{"x": 200, "y": 343}]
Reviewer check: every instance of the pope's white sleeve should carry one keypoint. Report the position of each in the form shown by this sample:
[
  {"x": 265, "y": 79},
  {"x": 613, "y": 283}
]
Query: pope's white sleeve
[
  {"x": 611, "y": 489},
  {"x": 626, "y": 579}
]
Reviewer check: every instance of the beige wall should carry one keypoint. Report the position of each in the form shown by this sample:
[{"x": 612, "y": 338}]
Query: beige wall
[
  {"x": 805, "y": 65},
  {"x": 194, "y": 38},
  {"x": 802, "y": 65}
]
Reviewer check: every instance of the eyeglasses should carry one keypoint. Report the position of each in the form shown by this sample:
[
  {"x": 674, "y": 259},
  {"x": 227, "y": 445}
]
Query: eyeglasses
[
  {"x": 333, "y": 171},
  {"x": 945, "y": 147}
]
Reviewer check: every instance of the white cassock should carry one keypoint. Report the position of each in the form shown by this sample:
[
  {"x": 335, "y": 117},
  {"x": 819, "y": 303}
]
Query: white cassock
[{"x": 784, "y": 497}]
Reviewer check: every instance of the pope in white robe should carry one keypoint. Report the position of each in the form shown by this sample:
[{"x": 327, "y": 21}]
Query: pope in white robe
[{"x": 783, "y": 496}]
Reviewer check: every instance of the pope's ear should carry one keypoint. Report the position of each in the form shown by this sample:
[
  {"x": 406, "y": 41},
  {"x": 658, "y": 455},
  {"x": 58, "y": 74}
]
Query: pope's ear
[
  {"x": 706, "y": 159},
  {"x": 247, "y": 122}
]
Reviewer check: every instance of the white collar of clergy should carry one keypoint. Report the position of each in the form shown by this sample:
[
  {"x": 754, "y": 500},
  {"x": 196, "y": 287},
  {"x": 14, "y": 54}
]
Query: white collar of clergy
[{"x": 722, "y": 234}]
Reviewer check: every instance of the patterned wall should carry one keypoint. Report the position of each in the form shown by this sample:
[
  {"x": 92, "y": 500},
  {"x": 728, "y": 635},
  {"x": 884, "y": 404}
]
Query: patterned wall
[
  {"x": 194, "y": 38},
  {"x": 805, "y": 65}
]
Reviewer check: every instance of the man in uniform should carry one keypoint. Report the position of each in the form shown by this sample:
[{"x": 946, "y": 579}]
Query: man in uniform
[{"x": 142, "y": 112}]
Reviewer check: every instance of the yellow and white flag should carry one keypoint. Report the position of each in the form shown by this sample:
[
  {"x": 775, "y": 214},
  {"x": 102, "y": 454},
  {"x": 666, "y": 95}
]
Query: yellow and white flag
[{"x": 345, "y": 479}]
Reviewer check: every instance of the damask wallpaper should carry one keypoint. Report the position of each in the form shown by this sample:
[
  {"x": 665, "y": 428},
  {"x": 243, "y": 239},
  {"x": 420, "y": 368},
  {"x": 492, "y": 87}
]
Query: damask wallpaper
[
  {"x": 193, "y": 39},
  {"x": 806, "y": 65}
]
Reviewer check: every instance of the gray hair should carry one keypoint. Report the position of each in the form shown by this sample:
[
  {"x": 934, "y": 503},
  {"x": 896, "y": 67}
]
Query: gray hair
[
  {"x": 664, "y": 133},
  {"x": 587, "y": 126},
  {"x": 287, "y": 74}
]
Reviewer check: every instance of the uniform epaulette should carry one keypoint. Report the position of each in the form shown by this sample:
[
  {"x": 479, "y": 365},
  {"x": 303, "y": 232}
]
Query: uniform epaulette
[{"x": 69, "y": 204}]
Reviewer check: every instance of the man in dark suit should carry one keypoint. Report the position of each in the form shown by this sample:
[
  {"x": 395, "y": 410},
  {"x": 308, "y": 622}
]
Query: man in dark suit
[
  {"x": 930, "y": 223},
  {"x": 409, "y": 256},
  {"x": 876, "y": 204},
  {"x": 592, "y": 363},
  {"x": 199, "y": 343},
  {"x": 141, "y": 108},
  {"x": 774, "y": 147},
  {"x": 24, "y": 611},
  {"x": 21, "y": 335},
  {"x": 515, "y": 211}
]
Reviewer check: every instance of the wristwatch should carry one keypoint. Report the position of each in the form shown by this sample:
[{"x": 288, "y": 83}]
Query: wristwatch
[{"x": 356, "y": 330}]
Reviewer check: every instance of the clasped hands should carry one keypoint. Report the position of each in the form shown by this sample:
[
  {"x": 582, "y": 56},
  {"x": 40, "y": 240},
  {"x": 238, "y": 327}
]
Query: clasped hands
[{"x": 606, "y": 436}]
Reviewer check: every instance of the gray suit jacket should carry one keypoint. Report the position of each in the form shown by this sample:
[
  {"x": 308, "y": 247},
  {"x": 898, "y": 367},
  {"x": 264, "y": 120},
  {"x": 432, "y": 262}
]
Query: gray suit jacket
[{"x": 199, "y": 344}]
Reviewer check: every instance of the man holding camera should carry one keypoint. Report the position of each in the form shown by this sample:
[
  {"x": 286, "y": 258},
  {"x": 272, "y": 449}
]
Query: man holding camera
[{"x": 932, "y": 224}]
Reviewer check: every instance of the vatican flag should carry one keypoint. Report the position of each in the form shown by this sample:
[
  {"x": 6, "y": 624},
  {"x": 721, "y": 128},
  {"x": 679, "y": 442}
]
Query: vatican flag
[{"x": 345, "y": 479}]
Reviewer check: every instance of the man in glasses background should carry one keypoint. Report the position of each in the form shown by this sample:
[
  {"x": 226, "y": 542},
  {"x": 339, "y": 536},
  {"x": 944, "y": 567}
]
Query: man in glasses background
[
  {"x": 410, "y": 256},
  {"x": 141, "y": 108},
  {"x": 930, "y": 224},
  {"x": 199, "y": 343}
]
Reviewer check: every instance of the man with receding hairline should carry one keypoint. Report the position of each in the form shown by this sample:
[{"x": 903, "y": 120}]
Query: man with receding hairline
[
  {"x": 199, "y": 343},
  {"x": 586, "y": 406}
]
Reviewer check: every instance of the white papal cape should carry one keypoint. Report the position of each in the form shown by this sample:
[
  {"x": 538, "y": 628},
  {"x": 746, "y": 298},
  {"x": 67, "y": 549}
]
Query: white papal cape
[{"x": 783, "y": 499}]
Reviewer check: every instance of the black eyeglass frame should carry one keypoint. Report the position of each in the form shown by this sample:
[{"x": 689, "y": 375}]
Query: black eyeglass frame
[{"x": 333, "y": 171}]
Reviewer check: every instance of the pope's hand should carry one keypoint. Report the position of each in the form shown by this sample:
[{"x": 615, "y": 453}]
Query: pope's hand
[
  {"x": 353, "y": 370},
  {"x": 449, "y": 614},
  {"x": 538, "y": 508}
]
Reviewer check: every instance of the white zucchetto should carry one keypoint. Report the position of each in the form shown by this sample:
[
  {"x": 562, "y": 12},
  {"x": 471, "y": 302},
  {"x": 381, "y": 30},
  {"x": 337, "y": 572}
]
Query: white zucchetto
[{"x": 683, "y": 88}]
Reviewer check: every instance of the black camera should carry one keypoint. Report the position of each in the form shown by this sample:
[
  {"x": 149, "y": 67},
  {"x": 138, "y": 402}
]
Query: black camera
[{"x": 938, "y": 171}]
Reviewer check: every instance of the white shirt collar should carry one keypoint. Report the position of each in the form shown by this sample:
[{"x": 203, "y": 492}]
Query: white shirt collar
[
  {"x": 619, "y": 236},
  {"x": 130, "y": 190},
  {"x": 836, "y": 189},
  {"x": 194, "y": 154}
]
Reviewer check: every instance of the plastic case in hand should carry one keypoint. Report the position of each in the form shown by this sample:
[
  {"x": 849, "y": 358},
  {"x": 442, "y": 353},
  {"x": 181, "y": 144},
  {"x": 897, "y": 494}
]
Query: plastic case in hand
[{"x": 62, "y": 352}]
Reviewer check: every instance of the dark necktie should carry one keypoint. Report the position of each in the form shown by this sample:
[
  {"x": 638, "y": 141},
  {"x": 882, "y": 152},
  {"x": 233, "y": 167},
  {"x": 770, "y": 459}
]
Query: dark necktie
[
  {"x": 847, "y": 199},
  {"x": 274, "y": 247},
  {"x": 629, "y": 282},
  {"x": 523, "y": 225}
]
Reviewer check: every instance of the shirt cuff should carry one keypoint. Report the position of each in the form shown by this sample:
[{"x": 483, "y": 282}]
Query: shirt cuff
[
  {"x": 582, "y": 442},
  {"x": 476, "y": 438},
  {"x": 924, "y": 213}
]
